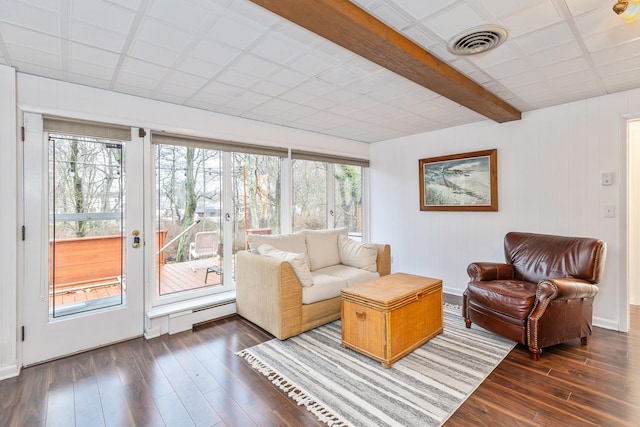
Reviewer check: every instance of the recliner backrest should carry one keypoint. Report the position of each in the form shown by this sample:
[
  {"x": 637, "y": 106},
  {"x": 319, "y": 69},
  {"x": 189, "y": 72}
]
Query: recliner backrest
[{"x": 540, "y": 256}]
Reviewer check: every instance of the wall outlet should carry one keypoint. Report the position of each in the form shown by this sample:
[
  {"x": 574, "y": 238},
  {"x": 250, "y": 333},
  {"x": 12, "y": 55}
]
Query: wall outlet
[
  {"x": 609, "y": 211},
  {"x": 607, "y": 178}
]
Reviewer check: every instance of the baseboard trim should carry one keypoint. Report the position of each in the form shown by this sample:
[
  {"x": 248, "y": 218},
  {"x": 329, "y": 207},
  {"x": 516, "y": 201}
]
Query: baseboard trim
[
  {"x": 9, "y": 372},
  {"x": 606, "y": 323}
]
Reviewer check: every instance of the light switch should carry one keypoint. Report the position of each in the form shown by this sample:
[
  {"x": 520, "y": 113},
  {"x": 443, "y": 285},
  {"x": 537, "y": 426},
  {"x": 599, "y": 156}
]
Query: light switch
[
  {"x": 609, "y": 211},
  {"x": 607, "y": 178}
]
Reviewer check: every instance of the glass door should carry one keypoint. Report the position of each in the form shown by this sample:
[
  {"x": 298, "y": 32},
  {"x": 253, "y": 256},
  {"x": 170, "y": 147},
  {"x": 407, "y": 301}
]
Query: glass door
[
  {"x": 84, "y": 236},
  {"x": 189, "y": 229}
]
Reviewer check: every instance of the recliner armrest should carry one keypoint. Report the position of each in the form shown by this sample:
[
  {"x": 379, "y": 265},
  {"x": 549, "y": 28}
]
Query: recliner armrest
[
  {"x": 480, "y": 271},
  {"x": 565, "y": 289}
]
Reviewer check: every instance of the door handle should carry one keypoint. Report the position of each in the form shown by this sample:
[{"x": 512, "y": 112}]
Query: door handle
[{"x": 136, "y": 239}]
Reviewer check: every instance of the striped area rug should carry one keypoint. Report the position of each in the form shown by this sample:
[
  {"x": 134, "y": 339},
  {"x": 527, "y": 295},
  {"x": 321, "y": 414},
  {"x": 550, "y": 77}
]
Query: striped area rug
[{"x": 344, "y": 388}]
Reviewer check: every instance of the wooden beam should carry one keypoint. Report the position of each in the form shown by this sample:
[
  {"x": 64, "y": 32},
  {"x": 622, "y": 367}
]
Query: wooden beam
[{"x": 345, "y": 24}]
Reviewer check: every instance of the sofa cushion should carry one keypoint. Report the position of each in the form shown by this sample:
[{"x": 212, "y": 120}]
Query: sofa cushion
[
  {"x": 357, "y": 254},
  {"x": 298, "y": 262},
  {"x": 352, "y": 275},
  {"x": 294, "y": 242},
  {"x": 322, "y": 247},
  {"x": 324, "y": 287}
]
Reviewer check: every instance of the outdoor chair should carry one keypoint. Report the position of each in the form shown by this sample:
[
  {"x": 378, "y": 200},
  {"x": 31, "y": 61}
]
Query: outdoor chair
[{"x": 205, "y": 245}]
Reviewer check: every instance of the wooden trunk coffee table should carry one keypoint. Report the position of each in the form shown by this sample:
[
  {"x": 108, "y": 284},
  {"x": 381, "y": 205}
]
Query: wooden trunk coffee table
[{"x": 389, "y": 317}]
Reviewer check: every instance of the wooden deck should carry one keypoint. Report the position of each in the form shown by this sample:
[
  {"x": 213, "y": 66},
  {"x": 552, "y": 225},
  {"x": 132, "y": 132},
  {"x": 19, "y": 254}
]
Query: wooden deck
[{"x": 175, "y": 277}]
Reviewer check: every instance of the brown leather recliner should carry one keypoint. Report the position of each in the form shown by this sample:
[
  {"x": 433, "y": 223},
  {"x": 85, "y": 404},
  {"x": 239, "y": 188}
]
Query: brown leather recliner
[{"x": 543, "y": 294}]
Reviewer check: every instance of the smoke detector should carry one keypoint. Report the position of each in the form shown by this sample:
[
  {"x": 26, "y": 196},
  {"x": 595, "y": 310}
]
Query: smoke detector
[{"x": 477, "y": 40}]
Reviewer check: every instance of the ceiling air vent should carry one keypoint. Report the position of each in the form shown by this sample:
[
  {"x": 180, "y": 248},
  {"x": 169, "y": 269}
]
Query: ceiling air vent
[{"x": 477, "y": 40}]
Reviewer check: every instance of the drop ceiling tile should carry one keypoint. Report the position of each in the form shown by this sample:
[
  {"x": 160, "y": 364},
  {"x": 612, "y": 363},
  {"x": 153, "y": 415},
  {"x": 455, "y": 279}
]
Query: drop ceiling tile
[
  {"x": 129, "y": 4},
  {"x": 177, "y": 91},
  {"x": 499, "y": 55},
  {"x": 611, "y": 38},
  {"x": 92, "y": 55},
  {"x": 607, "y": 56},
  {"x": 151, "y": 53},
  {"x": 479, "y": 77},
  {"x": 342, "y": 95},
  {"x": 215, "y": 53},
  {"x": 236, "y": 78},
  {"x": 34, "y": 56},
  {"x": 286, "y": 77},
  {"x": 90, "y": 81},
  {"x": 501, "y": 8},
  {"x": 418, "y": 35},
  {"x": 97, "y": 37},
  {"x": 136, "y": 80},
  {"x": 183, "y": 14},
  {"x": 254, "y": 12},
  {"x": 315, "y": 87},
  {"x": 91, "y": 70},
  {"x": 578, "y": 7},
  {"x": 144, "y": 69},
  {"x": 268, "y": 88},
  {"x": 598, "y": 20},
  {"x": 521, "y": 79},
  {"x": 454, "y": 20},
  {"x": 544, "y": 38},
  {"x": 555, "y": 54},
  {"x": 27, "y": 16},
  {"x": 160, "y": 34},
  {"x": 296, "y": 96},
  {"x": 295, "y": 32},
  {"x": 168, "y": 97},
  {"x": 235, "y": 31},
  {"x": 539, "y": 16},
  {"x": 626, "y": 64},
  {"x": 254, "y": 66},
  {"x": 185, "y": 80},
  {"x": 339, "y": 75},
  {"x": 320, "y": 103},
  {"x": 278, "y": 48},
  {"x": 565, "y": 67},
  {"x": 507, "y": 69},
  {"x": 422, "y": 9},
  {"x": 29, "y": 38},
  {"x": 49, "y": 5},
  {"x": 132, "y": 89},
  {"x": 333, "y": 52},
  {"x": 310, "y": 64},
  {"x": 38, "y": 70},
  {"x": 103, "y": 14},
  {"x": 390, "y": 17},
  {"x": 197, "y": 67}
]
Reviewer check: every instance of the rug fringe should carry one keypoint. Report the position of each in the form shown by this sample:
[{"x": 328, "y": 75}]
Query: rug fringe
[{"x": 300, "y": 397}]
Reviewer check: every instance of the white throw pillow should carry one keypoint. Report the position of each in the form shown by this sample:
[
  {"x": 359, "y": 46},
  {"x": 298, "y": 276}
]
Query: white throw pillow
[
  {"x": 298, "y": 262},
  {"x": 294, "y": 242},
  {"x": 322, "y": 247},
  {"x": 358, "y": 254}
]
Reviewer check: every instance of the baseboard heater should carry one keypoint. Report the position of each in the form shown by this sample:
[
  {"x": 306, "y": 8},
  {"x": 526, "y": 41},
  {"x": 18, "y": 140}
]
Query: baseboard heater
[{"x": 184, "y": 320}]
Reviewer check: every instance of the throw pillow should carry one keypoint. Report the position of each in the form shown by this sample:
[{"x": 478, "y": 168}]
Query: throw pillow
[
  {"x": 294, "y": 242},
  {"x": 298, "y": 262},
  {"x": 322, "y": 247},
  {"x": 358, "y": 254}
]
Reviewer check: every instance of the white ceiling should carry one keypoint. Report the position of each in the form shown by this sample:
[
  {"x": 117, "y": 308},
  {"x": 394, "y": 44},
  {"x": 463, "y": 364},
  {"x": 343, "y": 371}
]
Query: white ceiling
[{"x": 233, "y": 57}]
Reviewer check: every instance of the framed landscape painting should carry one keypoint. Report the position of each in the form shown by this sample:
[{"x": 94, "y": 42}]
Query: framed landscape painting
[{"x": 460, "y": 182}]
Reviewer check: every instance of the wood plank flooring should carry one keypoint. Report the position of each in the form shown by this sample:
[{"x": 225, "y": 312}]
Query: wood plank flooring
[{"x": 194, "y": 379}]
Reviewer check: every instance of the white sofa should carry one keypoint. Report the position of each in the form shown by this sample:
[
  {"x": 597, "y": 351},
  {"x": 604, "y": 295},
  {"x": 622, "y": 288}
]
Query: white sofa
[{"x": 288, "y": 284}]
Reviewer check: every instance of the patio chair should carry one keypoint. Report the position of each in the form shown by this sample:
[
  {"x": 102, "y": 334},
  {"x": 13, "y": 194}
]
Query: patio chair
[{"x": 204, "y": 245}]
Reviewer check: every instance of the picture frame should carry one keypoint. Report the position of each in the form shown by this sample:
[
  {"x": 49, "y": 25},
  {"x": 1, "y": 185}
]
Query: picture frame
[{"x": 460, "y": 182}]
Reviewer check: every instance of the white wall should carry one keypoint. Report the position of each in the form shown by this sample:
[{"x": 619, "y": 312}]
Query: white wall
[
  {"x": 549, "y": 172},
  {"x": 8, "y": 223}
]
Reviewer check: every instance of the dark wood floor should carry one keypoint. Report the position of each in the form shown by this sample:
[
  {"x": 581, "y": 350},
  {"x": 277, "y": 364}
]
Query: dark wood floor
[{"x": 194, "y": 378}]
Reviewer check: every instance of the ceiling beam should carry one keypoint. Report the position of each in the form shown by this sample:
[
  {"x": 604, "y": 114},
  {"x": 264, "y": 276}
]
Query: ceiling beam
[{"x": 345, "y": 24}]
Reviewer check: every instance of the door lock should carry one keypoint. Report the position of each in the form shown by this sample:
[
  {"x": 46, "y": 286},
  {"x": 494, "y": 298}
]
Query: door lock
[{"x": 136, "y": 239}]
